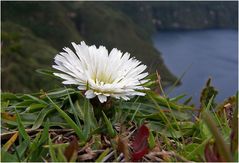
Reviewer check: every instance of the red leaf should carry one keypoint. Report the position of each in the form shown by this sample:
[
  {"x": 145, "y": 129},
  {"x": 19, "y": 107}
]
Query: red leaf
[
  {"x": 71, "y": 149},
  {"x": 140, "y": 143}
]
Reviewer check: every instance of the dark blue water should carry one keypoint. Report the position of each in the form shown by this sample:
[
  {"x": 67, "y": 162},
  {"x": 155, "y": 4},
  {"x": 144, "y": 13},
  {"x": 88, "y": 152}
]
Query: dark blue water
[{"x": 211, "y": 53}]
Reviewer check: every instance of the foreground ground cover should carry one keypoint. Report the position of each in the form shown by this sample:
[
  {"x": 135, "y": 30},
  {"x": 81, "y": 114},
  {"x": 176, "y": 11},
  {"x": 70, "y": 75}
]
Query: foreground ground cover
[{"x": 62, "y": 125}]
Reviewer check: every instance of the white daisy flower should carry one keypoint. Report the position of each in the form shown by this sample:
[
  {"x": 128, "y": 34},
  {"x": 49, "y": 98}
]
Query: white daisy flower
[{"x": 100, "y": 73}]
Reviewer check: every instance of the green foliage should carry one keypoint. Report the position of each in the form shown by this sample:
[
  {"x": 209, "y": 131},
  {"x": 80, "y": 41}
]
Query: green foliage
[
  {"x": 47, "y": 20},
  {"x": 38, "y": 117},
  {"x": 109, "y": 126},
  {"x": 22, "y": 54},
  {"x": 207, "y": 93},
  {"x": 151, "y": 140},
  {"x": 68, "y": 120}
]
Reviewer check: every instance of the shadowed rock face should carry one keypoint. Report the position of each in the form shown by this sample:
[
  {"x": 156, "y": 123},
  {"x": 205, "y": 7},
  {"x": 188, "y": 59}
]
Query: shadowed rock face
[
  {"x": 33, "y": 32},
  {"x": 181, "y": 15},
  {"x": 195, "y": 15}
]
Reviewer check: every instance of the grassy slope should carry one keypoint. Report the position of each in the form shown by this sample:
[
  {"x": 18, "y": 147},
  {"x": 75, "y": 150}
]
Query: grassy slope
[
  {"x": 61, "y": 23},
  {"x": 22, "y": 54},
  {"x": 48, "y": 20}
]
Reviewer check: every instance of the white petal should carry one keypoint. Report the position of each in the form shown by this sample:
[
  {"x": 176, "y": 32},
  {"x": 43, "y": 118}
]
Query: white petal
[
  {"x": 90, "y": 94},
  {"x": 81, "y": 87},
  {"x": 102, "y": 98},
  {"x": 125, "y": 98},
  {"x": 70, "y": 82}
]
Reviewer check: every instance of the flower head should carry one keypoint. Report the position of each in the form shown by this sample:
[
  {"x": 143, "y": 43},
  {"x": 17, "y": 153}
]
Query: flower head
[{"x": 100, "y": 73}]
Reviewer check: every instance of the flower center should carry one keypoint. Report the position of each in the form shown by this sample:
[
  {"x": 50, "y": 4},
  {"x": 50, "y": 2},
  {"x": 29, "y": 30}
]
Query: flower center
[{"x": 102, "y": 78}]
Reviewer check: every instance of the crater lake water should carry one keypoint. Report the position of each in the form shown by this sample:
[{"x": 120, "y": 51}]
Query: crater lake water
[{"x": 202, "y": 54}]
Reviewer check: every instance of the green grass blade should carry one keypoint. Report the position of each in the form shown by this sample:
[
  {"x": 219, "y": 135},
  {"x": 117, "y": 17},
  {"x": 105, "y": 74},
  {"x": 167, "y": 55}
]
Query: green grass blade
[
  {"x": 90, "y": 122},
  {"x": 21, "y": 149},
  {"x": 74, "y": 110},
  {"x": 36, "y": 99},
  {"x": 102, "y": 155},
  {"x": 47, "y": 72},
  {"x": 175, "y": 99},
  {"x": 223, "y": 148},
  {"x": 163, "y": 101},
  {"x": 164, "y": 118},
  {"x": 7, "y": 157},
  {"x": 43, "y": 113},
  {"x": 169, "y": 106},
  {"x": 52, "y": 151},
  {"x": 60, "y": 155},
  {"x": 44, "y": 135},
  {"x": 35, "y": 142},
  {"x": 68, "y": 120},
  {"x": 151, "y": 140},
  {"x": 35, "y": 107},
  {"x": 21, "y": 128},
  {"x": 197, "y": 149},
  {"x": 35, "y": 152},
  {"x": 135, "y": 112},
  {"x": 234, "y": 134},
  {"x": 60, "y": 93},
  {"x": 109, "y": 126}
]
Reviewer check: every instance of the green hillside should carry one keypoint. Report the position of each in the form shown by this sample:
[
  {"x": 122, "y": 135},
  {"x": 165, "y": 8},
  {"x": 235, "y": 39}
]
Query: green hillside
[
  {"x": 47, "y": 20},
  {"x": 23, "y": 53},
  {"x": 47, "y": 27},
  {"x": 60, "y": 23}
]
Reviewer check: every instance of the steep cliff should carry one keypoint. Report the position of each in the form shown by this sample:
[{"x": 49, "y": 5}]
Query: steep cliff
[
  {"x": 180, "y": 15},
  {"x": 58, "y": 24}
]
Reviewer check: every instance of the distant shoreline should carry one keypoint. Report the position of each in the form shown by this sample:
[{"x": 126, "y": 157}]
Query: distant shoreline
[
  {"x": 192, "y": 30},
  {"x": 210, "y": 52}
]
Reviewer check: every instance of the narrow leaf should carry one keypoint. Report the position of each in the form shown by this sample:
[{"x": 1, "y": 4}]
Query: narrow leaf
[
  {"x": 151, "y": 140},
  {"x": 21, "y": 128},
  {"x": 223, "y": 149},
  {"x": 43, "y": 113},
  {"x": 109, "y": 126},
  {"x": 102, "y": 155},
  {"x": 74, "y": 111},
  {"x": 7, "y": 157},
  {"x": 21, "y": 149},
  {"x": 52, "y": 151},
  {"x": 68, "y": 120},
  {"x": 10, "y": 142}
]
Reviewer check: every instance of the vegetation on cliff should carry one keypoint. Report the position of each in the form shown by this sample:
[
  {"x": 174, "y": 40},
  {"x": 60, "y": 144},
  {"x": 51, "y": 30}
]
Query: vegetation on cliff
[
  {"x": 59, "y": 23},
  {"x": 22, "y": 54}
]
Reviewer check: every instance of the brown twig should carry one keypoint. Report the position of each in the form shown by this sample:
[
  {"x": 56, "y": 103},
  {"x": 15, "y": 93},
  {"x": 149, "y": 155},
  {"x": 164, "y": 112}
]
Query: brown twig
[{"x": 30, "y": 131}]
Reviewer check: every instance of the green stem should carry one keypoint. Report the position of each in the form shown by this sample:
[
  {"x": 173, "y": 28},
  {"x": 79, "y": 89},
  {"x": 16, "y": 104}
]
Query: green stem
[{"x": 223, "y": 149}]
